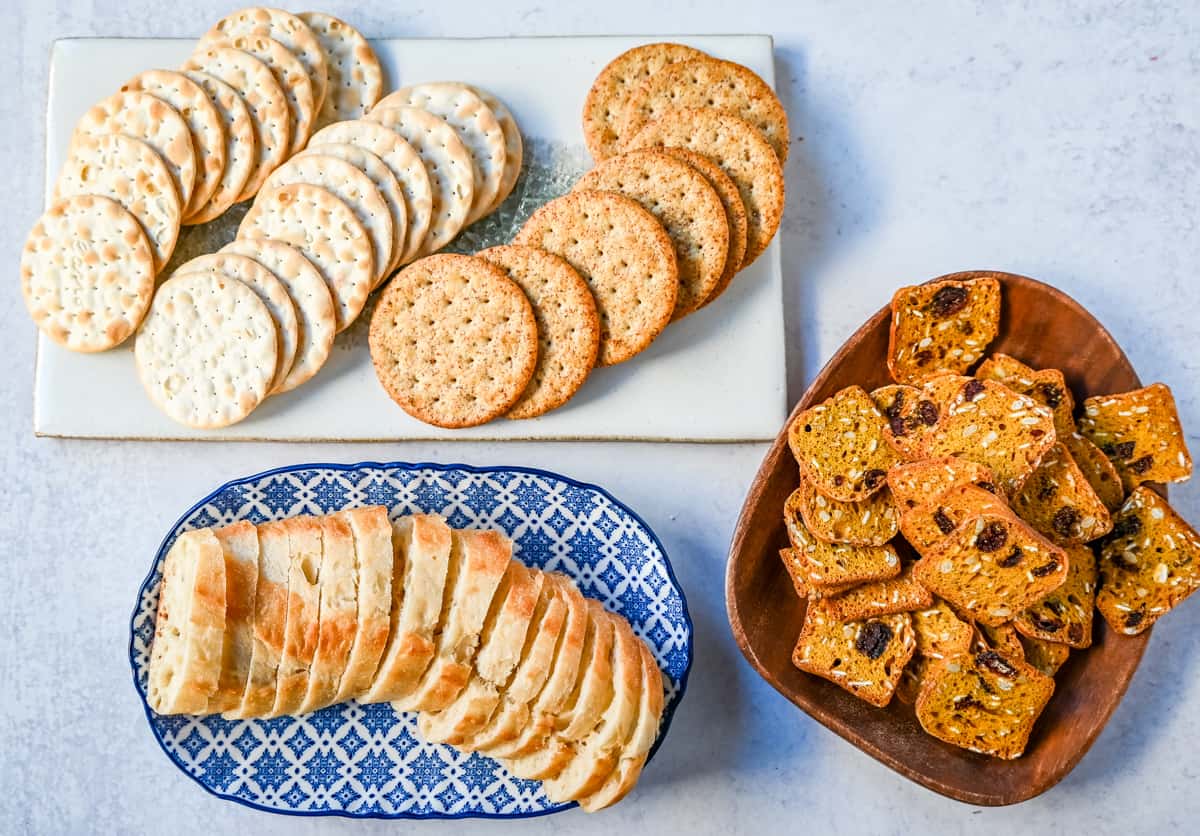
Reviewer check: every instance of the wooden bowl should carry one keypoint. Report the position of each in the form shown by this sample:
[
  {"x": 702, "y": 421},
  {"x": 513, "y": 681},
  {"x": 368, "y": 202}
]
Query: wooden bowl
[{"x": 1047, "y": 329}]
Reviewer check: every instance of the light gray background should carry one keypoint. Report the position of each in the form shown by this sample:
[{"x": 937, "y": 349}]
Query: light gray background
[{"x": 1056, "y": 139}]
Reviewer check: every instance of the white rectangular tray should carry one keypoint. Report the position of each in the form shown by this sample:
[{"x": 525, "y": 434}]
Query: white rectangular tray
[{"x": 716, "y": 376}]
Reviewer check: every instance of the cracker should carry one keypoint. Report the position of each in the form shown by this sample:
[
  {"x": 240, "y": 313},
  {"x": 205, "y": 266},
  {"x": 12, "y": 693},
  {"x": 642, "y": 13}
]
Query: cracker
[
  {"x": 130, "y": 172},
  {"x": 840, "y": 447},
  {"x": 1048, "y": 387},
  {"x": 865, "y": 658},
  {"x": 1058, "y": 501},
  {"x": 204, "y": 125},
  {"x": 735, "y": 213},
  {"x": 1097, "y": 468},
  {"x": 688, "y": 208},
  {"x": 448, "y": 163},
  {"x": 940, "y": 632},
  {"x": 207, "y": 352},
  {"x": 265, "y": 99},
  {"x": 241, "y": 146},
  {"x": 514, "y": 145},
  {"x": 404, "y": 163},
  {"x": 269, "y": 289},
  {"x": 355, "y": 75},
  {"x": 822, "y": 565},
  {"x": 610, "y": 92},
  {"x": 915, "y": 483},
  {"x": 453, "y": 341},
  {"x": 943, "y": 325},
  {"x": 567, "y": 323},
  {"x": 87, "y": 273},
  {"x": 1065, "y": 615},
  {"x": 293, "y": 80},
  {"x": 741, "y": 152},
  {"x": 710, "y": 82},
  {"x": 354, "y": 189},
  {"x": 325, "y": 230},
  {"x": 1149, "y": 564},
  {"x": 315, "y": 312},
  {"x": 936, "y": 518},
  {"x": 151, "y": 120},
  {"x": 1002, "y": 638},
  {"x": 1140, "y": 432},
  {"x": 910, "y": 417},
  {"x": 878, "y": 598},
  {"x": 623, "y": 254},
  {"x": 286, "y": 28},
  {"x": 475, "y": 125},
  {"x": 797, "y": 569},
  {"x": 867, "y": 522}
]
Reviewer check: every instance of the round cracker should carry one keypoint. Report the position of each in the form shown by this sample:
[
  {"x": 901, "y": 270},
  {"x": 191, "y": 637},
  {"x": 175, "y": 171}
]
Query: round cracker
[
  {"x": 514, "y": 145},
  {"x": 326, "y": 231},
  {"x": 623, "y": 254},
  {"x": 355, "y": 75},
  {"x": 203, "y": 121},
  {"x": 475, "y": 125},
  {"x": 241, "y": 146},
  {"x": 389, "y": 187},
  {"x": 256, "y": 84},
  {"x": 610, "y": 92},
  {"x": 448, "y": 163},
  {"x": 286, "y": 28},
  {"x": 735, "y": 212},
  {"x": 567, "y": 323},
  {"x": 353, "y": 188},
  {"x": 453, "y": 341},
  {"x": 130, "y": 172},
  {"x": 685, "y": 204},
  {"x": 314, "y": 303},
  {"x": 741, "y": 152},
  {"x": 206, "y": 353},
  {"x": 87, "y": 273},
  {"x": 269, "y": 289},
  {"x": 293, "y": 81},
  {"x": 153, "y": 121},
  {"x": 405, "y": 164},
  {"x": 709, "y": 82}
]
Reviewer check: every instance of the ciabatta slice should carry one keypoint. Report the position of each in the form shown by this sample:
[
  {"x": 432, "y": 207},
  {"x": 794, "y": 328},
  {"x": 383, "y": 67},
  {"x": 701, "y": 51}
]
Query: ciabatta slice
[
  {"x": 374, "y": 556},
  {"x": 303, "y": 614},
  {"x": 339, "y": 613},
  {"x": 270, "y": 615},
  {"x": 239, "y": 544}
]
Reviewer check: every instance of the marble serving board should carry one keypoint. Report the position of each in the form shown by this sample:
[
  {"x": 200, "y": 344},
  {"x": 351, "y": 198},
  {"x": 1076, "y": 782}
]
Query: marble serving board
[{"x": 718, "y": 375}]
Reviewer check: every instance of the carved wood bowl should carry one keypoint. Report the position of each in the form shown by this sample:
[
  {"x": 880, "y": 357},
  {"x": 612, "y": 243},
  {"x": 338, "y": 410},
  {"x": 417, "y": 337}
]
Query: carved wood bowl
[{"x": 1047, "y": 329}]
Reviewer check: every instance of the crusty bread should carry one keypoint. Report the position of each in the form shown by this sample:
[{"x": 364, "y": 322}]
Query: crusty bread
[
  {"x": 185, "y": 660},
  {"x": 303, "y": 614},
  {"x": 374, "y": 555},
  {"x": 339, "y": 613},
  {"x": 270, "y": 614},
  {"x": 239, "y": 543}
]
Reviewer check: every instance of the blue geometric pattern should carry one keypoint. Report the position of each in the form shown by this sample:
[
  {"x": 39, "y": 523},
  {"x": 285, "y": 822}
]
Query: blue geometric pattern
[{"x": 369, "y": 760}]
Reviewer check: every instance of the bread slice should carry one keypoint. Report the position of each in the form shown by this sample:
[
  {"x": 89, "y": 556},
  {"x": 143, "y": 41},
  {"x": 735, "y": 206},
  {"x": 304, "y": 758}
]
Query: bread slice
[
  {"x": 339, "y": 613},
  {"x": 823, "y": 565},
  {"x": 942, "y": 325},
  {"x": 1065, "y": 615},
  {"x": 865, "y": 658},
  {"x": 500, "y": 646},
  {"x": 868, "y": 522},
  {"x": 638, "y": 744},
  {"x": 1048, "y": 387},
  {"x": 840, "y": 447},
  {"x": 303, "y": 614},
  {"x": 910, "y": 415},
  {"x": 869, "y": 600},
  {"x": 797, "y": 570},
  {"x": 374, "y": 556},
  {"x": 933, "y": 521},
  {"x": 189, "y": 629},
  {"x": 940, "y": 632},
  {"x": 421, "y": 545},
  {"x": 592, "y": 692},
  {"x": 239, "y": 543},
  {"x": 270, "y": 616},
  {"x": 915, "y": 483},
  {"x": 478, "y": 561},
  {"x": 1097, "y": 468},
  {"x": 1140, "y": 432},
  {"x": 1059, "y": 502}
]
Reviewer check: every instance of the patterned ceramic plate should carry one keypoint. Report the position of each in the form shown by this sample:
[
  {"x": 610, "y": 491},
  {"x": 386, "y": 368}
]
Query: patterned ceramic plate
[{"x": 368, "y": 760}]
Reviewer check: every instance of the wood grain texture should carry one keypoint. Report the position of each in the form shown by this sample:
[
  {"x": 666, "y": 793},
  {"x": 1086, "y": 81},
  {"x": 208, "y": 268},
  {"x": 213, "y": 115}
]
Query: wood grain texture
[{"x": 1047, "y": 329}]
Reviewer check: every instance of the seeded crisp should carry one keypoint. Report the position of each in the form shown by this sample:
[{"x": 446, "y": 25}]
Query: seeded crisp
[
  {"x": 824, "y": 564},
  {"x": 916, "y": 483},
  {"x": 1140, "y": 432},
  {"x": 935, "y": 519},
  {"x": 1065, "y": 615},
  {"x": 1058, "y": 501},
  {"x": 870, "y": 600},
  {"x": 865, "y": 658},
  {"x": 1097, "y": 468},
  {"x": 869, "y": 522},
  {"x": 1048, "y": 387},
  {"x": 942, "y": 325}
]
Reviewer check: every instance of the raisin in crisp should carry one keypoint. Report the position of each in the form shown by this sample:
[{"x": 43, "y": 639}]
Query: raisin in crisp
[
  {"x": 1064, "y": 520},
  {"x": 1048, "y": 568},
  {"x": 1126, "y": 526},
  {"x": 873, "y": 639},
  {"x": 1013, "y": 558},
  {"x": 1141, "y": 465},
  {"x": 993, "y": 536},
  {"x": 1049, "y": 625},
  {"x": 1052, "y": 395},
  {"x": 948, "y": 301},
  {"x": 874, "y": 478},
  {"x": 927, "y": 411},
  {"x": 994, "y": 662},
  {"x": 1133, "y": 619},
  {"x": 972, "y": 389},
  {"x": 1122, "y": 451},
  {"x": 944, "y": 523},
  {"x": 965, "y": 702}
]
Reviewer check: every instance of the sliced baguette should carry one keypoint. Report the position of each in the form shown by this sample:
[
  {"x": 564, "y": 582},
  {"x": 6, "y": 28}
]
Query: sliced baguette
[
  {"x": 303, "y": 614},
  {"x": 374, "y": 556},
  {"x": 239, "y": 543},
  {"x": 270, "y": 616},
  {"x": 482, "y": 560},
  {"x": 185, "y": 657},
  {"x": 339, "y": 613}
]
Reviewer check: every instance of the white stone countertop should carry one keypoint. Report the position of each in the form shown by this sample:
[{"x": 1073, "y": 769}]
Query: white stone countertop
[{"x": 1057, "y": 139}]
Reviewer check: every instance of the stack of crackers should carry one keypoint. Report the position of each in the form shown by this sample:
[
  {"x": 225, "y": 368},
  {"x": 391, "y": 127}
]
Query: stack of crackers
[
  {"x": 954, "y": 531},
  {"x": 687, "y": 191},
  {"x": 291, "y": 616}
]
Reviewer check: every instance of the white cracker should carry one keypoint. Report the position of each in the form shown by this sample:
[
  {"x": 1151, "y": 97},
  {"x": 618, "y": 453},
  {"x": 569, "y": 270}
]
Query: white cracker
[
  {"x": 353, "y": 188},
  {"x": 130, "y": 172},
  {"x": 387, "y": 184},
  {"x": 241, "y": 146},
  {"x": 514, "y": 145},
  {"x": 310, "y": 295},
  {"x": 206, "y": 353},
  {"x": 475, "y": 125},
  {"x": 269, "y": 289},
  {"x": 326, "y": 231},
  {"x": 203, "y": 121},
  {"x": 153, "y": 121},
  {"x": 294, "y": 82},
  {"x": 448, "y": 164},
  {"x": 87, "y": 273},
  {"x": 255, "y": 83},
  {"x": 355, "y": 76},
  {"x": 405, "y": 164}
]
